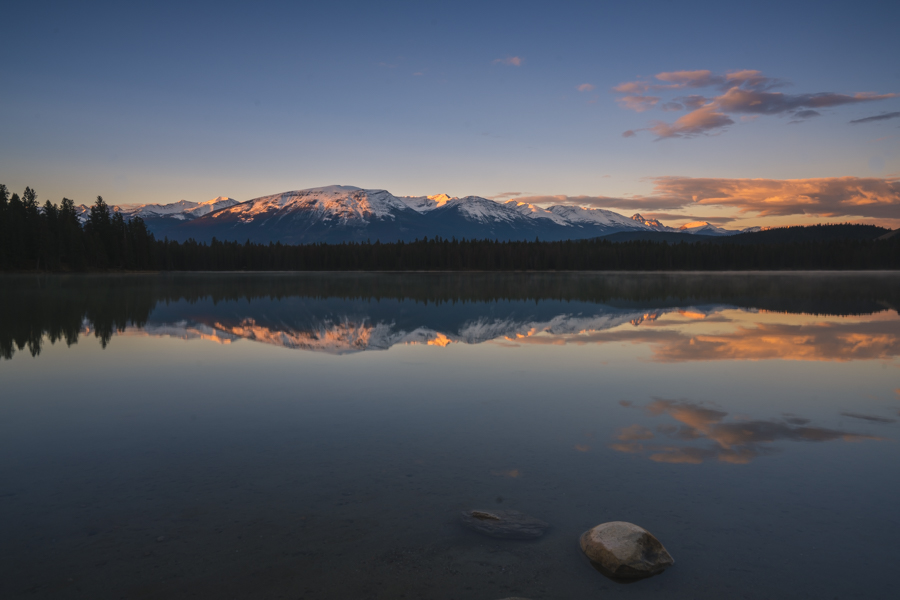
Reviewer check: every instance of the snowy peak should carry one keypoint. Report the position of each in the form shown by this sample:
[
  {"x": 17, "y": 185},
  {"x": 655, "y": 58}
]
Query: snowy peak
[
  {"x": 704, "y": 228},
  {"x": 648, "y": 222},
  {"x": 343, "y": 203},
  {"x": 532, "y": 211},
  {"x": 204, "y": 208},
  {"x": 578, "y": 215},
  {"x": 182, "y": 210},
  {"x": 482, "y": 210},
  {"x": 474, "y": 208},
  {"x": 439, "y": 199},
  {"x": 425, "y": 203}
]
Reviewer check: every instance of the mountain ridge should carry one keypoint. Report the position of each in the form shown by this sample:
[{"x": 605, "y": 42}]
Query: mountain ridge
[{"x": 344, "y": 213}]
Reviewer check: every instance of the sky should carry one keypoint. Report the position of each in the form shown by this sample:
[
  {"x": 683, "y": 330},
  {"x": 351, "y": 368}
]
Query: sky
[{"x": 737, "y": 113}]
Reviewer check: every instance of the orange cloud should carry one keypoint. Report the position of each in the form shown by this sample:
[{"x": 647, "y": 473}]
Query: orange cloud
[
  {"x": 827, "y": 196},
  {"x": 513, "y": 61},
  {"x": 638, "y": 103},
  {"x": 682, "y": 79},
  {"x": 870, "y": 197},
  {"x": 585, "y": 87},
  {"x": 703, "y": 119},
  {"x": 740, "y": 92}
]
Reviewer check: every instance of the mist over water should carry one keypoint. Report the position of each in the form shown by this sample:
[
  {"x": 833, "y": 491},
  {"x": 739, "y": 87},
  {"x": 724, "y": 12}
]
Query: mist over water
[{"x": 317, "y": 436}]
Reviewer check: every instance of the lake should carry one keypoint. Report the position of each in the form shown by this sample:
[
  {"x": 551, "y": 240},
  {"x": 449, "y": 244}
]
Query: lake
[{"x": 318, "y": 436}]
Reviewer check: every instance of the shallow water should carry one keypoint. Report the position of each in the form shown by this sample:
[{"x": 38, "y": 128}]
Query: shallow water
[{"x": 315, "y": 436}]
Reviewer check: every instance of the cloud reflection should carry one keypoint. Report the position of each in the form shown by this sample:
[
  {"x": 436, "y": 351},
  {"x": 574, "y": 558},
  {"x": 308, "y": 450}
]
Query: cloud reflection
[
  {"x": 819, "y": 341},
  {"x": 704, "y": 433}
]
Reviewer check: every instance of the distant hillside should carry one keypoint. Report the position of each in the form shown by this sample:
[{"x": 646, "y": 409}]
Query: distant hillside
[
  {"x": 671, "y": 237},
  {"x": 781, "y": 235},
  {"x": 809, "y": 233}
]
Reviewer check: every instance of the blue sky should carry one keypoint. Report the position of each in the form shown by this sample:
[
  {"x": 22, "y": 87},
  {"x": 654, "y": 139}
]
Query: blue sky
[{"x": 171, "y": 101}]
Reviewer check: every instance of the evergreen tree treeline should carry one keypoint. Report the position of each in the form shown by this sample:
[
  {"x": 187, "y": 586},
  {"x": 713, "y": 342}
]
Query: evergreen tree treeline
[{"x": 51, "y": 238}]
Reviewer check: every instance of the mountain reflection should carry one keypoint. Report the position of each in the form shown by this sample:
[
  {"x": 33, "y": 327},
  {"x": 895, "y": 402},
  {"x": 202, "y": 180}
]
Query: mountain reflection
[
  {"x": 704, "y": 433},
  {"x": 323, "y": 328},
  {"x": 678, "y": 317}
]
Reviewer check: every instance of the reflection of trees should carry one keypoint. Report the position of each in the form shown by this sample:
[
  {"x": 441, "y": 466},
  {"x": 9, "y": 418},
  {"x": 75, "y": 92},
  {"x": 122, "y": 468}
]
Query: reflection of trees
[
  {"x": 704, "y": 433},
  {"x": 38, "y": 308},
  {"x": 814, "y": 294},
  {"x": 35, "y": 309}
]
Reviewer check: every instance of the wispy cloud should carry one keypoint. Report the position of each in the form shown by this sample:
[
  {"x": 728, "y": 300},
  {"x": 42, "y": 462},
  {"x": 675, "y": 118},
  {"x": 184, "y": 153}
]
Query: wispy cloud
[
  {"x": 881, "y": 117},
  {"x": 703, "y": 120},
  {"x": 628, "y": 203},
  {"x": 871, "y": 418},
  {"x": 585, "y": 87},
  {"x": 505, "y": 195},
  {"x": 745, "y": 92},
  {"x": 821, "y": 197},
  {"x": 666, "y": 216},
  {"x": 638, "y": 103},
  {"x": 513, "y": 61},
  {"x": 824, "y": 197}
]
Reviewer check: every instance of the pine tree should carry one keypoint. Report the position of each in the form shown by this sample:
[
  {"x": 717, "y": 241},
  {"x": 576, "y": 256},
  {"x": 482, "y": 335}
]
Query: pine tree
[{"x": 4, "y": 227}]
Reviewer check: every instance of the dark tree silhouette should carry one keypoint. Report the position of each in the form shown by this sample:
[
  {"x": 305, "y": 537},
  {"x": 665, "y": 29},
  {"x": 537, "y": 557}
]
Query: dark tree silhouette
[{"x": 52, "y": 239}]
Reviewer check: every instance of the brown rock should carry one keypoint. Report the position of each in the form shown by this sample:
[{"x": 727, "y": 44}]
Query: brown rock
[
  {"x": 504, "y": 524},
  {"x": 625, "y": 550}
]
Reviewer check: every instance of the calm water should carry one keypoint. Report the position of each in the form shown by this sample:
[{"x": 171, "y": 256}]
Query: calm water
[{"x": 299, "y": 436}]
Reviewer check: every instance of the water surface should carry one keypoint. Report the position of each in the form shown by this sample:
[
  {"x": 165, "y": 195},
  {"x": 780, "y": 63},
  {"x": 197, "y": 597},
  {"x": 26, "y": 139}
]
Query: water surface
[{"x": 317, "y": 436}]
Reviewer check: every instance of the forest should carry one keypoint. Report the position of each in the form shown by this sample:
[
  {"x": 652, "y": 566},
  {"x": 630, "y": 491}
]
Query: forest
[{"x": 51, "y": 238}]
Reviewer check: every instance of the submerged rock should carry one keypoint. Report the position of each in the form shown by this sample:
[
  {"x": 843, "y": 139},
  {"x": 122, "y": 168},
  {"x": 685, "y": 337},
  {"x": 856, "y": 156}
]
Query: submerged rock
[
  {"x": 504, "y": 524},
  {"x": 625, "y": 550}
]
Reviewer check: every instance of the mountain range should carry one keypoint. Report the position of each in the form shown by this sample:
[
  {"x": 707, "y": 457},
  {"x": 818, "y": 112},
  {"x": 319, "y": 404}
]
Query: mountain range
[{"x": 337, "y": 214}]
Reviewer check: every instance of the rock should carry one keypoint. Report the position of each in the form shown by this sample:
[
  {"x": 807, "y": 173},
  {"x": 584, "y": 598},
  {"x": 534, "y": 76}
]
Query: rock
[
  {"x": 504, "y": 524},
  {"x": 625, "y": 551}
]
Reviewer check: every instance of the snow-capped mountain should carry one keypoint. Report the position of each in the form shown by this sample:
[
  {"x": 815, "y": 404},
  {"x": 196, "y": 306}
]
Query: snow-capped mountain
[
  {"x": 182, "y": 210},
  {"x": 346, "y": 213},
  {"x": 706, "y": 228},
  {"x": 340, "y": 213},
  {"x": 655, "y": 224}
]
